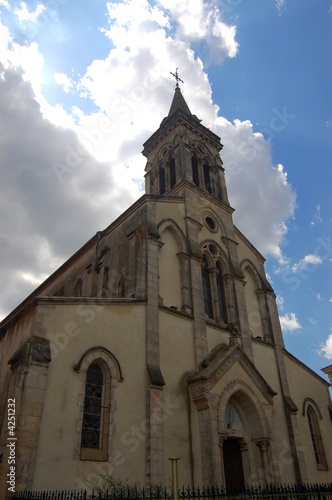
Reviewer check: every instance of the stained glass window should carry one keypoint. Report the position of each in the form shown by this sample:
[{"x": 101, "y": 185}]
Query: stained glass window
[
  {"x": 316, "y": 439},
  {"x": 92, "y": 407}
]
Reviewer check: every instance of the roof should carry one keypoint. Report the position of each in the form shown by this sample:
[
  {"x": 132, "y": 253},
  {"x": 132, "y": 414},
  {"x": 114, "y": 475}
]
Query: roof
[{"x": 179, "y": 103}]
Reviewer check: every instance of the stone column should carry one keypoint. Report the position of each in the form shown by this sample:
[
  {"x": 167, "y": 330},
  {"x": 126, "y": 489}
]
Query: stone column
[
  {"x": 154, "y": 423},
  {"x": 274, "y": 319},
  {"x": 200, "y": 338},
  {"x": 222, "y": 437},
  {"x": 155, "y": 429},
  {"x": 243, "y": 318},
  {"x": 230, "y": 299},
  {"x": 214, "y": 291},
  {"x": 263, "y": 446},
  {"x": 29, "y": 367},
  {"x": 186, "y": 305}
]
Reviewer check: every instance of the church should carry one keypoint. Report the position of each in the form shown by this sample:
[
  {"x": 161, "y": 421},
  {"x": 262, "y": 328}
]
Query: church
[{"x": 160, "y": 338}]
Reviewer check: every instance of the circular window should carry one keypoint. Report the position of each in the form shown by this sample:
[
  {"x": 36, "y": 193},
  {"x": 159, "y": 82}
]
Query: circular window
[{"x": 210, "y": 223}]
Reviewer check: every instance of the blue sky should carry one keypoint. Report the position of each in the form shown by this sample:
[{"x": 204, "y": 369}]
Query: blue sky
[{"x": 95, "y": 75}]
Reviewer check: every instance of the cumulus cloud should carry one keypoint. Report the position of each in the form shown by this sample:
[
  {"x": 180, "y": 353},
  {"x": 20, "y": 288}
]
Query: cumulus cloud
[
  {"x": 197, "y": 21},
  {"x": 280, "y": 302},
  {"x": 64, "y": 82},
  {"x": 41, "y": 211},
  {"x": 280, "y": 4},
  {"x": 326, "y": 349},
  {"x": 23, "y": 14},
  {"x": 79, "y": 166},
  {"x": 306, "y": 262},
  {"x": 289, "y": 322}
]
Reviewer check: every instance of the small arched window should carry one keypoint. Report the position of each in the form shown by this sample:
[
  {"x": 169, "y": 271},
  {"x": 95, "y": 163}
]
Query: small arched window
[
  {"x": 316, "y": 439},
  {"x": 206, "y": 280},
  {"x": 194, "y": 166},
  {"x": 172, "y": 172},
  {"x": 162, "y": 181},
  {"x": 96, "y": 413}
]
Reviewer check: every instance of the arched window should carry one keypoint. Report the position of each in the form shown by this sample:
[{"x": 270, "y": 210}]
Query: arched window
[
  {"x": 172, "y": 172},
  {"x": 221, "y": 294},
  {"x": 206, "y": 280},
  {"x": 96, "y": 413},
  {"x": 92, "y": 407},
  {"x": 194, "y": 166},
  {"x": 207, "y": 180},
  {"x": 316, "y": 439},
  {"x": 162, "y": 181},
  {"x": 78, "y": 288}
]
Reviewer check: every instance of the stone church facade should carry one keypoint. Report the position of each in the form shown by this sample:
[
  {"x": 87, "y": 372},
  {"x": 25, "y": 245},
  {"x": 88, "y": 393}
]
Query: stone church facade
[{"x": 160, "y": 338}]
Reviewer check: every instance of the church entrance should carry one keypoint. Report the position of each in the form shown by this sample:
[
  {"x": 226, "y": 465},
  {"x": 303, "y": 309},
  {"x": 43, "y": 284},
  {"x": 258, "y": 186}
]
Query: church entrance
[{"x": 233, "y": 467}]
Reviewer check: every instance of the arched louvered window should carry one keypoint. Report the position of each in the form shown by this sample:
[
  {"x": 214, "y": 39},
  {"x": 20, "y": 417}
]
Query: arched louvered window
[
  {"x": 207, "y": 180},
  {"x": 194, "y": 166},
  {"x": 208, "y": 307},
  {"x": 172, "y": 172},
  {"x": 316, "y": 439},
  {"x": 162, "y": 181},
  {"x": 221, "y": 293}
]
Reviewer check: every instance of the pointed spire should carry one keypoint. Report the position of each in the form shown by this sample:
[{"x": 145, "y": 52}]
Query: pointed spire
[{"x": 179, "y": 103}]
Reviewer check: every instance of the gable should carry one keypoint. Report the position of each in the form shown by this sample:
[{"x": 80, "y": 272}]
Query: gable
[{"x": 220, "y": 364}]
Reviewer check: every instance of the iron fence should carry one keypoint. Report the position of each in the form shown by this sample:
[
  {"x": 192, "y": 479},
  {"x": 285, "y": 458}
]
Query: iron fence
[{"x": 270, "y": 492}]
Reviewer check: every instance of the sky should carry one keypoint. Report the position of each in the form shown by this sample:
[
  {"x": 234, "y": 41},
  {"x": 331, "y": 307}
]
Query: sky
[{"x": 84, "y": 84}]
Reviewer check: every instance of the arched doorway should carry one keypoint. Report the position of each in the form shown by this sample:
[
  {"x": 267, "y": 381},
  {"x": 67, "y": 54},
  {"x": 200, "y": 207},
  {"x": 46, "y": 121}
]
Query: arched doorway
[
  {"x": 241, "y": 427},
  {"x": 232, "y": 449},
  {"x": 233, "y": 466}
]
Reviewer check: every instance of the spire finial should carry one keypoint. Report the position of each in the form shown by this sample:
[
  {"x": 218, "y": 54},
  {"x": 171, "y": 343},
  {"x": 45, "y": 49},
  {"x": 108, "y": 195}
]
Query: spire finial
[{"x": 177, "y": 78}]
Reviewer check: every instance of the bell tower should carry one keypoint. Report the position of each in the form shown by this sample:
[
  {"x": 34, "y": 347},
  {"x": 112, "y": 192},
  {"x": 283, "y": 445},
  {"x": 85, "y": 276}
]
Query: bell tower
[{"x": 183, "y": 151}]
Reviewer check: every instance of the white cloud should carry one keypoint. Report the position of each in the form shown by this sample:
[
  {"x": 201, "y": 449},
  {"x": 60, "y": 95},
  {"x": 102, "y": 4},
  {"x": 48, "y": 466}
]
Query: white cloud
[
  {"x": 53, "y": 182},
  {"x": 64, "y": 82},
  {"x": 308, "y": 260},
  {"x": 197, "y": 21},
  {"x": 280, "y": 302},
  {"x": 281, "y": 4},
  {"x": 23, "y": 13},
  {"x": 40, "y": 229},
  {"x": 289, "y": 322},
  {"x": 326, "y": 349}
]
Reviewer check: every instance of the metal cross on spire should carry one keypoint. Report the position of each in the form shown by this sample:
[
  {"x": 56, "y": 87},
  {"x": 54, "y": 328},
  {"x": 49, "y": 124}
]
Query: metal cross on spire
[{"x": 177, "y": 78}]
